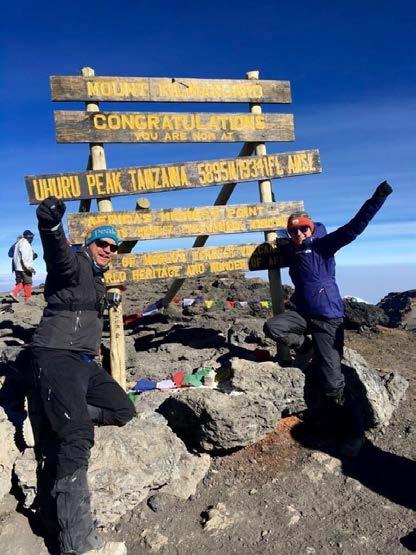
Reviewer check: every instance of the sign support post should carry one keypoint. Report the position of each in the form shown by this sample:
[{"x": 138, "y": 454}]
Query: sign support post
[
  {"x": 266, "y": 195},
  {"x": 117, "y": 345}
]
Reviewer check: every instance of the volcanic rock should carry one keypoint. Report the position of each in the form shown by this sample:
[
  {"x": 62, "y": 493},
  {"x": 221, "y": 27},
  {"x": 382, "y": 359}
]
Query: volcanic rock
[
  {"x": 377, "y": 397},
  {"x": 268, "y": 381},
  {"x": 363, "y": 316},
  {"x": 127, "y": 464},
  {"x": 400, "y": 309},
  {"x": 8, "y": 453}
]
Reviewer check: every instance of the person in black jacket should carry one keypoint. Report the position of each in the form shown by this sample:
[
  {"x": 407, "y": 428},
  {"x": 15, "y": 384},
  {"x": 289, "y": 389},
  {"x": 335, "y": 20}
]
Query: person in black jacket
[
  {"x": 75, "y": 392},
  {"x": 318, "y": 306}
]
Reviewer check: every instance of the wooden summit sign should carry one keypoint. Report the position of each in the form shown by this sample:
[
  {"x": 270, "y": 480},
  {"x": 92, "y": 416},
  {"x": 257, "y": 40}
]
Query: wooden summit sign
[
  {"x": 157, "y": 89},
  {"x": 185, "y": 263},
  {"x": 169, "y": 177},
  {"x": 171, "y": 127},
  {"x": 186, "y": 222}
]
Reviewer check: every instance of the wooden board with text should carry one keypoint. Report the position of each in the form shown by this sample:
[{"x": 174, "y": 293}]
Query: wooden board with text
[
  {"x": 186, "y": 222},
  {"x": 170, "y": 177},
  {"x": 185, "y": 263},
  {"x": 164, "y": 89},
  {"x": 171, "y": 127}
]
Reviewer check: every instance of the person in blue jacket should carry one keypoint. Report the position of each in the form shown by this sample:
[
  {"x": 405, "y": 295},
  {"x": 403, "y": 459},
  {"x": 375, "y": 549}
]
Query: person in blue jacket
[{"x": 319, "y": 309}]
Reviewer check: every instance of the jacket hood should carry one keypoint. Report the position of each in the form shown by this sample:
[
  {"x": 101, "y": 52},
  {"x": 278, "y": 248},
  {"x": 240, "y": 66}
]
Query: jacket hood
[{"x": 319, "y": 231}]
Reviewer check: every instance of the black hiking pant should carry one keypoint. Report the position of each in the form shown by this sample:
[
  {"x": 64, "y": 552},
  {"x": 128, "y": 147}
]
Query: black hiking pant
[
  {"x": 290, "y": 329},
  {"x": 73, "y": 392},
  {"x": 339, "y": 404}
]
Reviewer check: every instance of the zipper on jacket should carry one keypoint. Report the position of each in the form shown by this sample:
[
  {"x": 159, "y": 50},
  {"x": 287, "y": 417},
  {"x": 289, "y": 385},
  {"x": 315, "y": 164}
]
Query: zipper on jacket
[
  {"x": 60, "y": 403},
  {"x": 77, "y": 324}
]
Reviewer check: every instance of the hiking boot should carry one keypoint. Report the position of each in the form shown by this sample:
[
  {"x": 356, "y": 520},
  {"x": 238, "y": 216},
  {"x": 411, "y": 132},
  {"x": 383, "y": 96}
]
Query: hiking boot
[
  {"x": 109, "y": 548},
  {"x": 284, "y": 363},
  {"x": 351, "y": 446}
]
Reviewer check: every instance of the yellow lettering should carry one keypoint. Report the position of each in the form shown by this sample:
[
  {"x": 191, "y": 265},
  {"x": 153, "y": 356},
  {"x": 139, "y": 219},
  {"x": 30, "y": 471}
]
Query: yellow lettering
[
  {"x": 153, "y": 121},
  {"x": 92, "y": 88},
  {"x": 91, "y": 183},
  {"x": 99, "y": 121}
]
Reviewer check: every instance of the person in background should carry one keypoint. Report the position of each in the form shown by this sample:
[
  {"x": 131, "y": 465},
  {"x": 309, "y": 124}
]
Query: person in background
[
  {"x": 318, "y": 308},
  {"x": 10, "y": 253},
  {"x": 73, "y": 390},
  {"x": 23, "y": 257}
]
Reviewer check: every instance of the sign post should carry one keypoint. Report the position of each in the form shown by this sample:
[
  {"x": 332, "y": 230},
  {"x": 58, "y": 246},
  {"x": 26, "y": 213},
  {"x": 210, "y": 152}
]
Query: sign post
[
  {"x": 115, "y": 314},
  {"x": 266, "y": 195},
  {"x": 253, "y": 164}
]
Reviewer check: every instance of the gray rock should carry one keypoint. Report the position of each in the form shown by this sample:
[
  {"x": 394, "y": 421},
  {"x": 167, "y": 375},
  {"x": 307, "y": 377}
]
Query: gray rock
[
  {"x": 376, "y": 397},
  {"x": 153, "y": 540},
  {"x": 217, "y": 421},
  {"x": 8, "y": 453},
  {"x": 218, "y": 518},
  {"x": 400, "y": 309},
  {"x": 127, "y": 464},
  {"x": 268, "y": 381},
  {"x": 25, "y": 472},
  {"x": 17, "y": 537}
]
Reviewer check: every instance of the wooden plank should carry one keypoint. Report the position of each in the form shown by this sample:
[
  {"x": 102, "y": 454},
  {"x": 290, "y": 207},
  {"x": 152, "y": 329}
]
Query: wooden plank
[
  {"x": 171, "y": 127},
  {"x": 185, "y": 263},
  {"x": 170, "y": 177},
  {"x": 186, "y": 222},
  {"x": 164, "y": 89}
]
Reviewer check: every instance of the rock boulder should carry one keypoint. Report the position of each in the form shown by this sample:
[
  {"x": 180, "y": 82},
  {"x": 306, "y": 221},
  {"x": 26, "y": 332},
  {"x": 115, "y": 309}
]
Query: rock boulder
[{"x": 127, "y": 464}]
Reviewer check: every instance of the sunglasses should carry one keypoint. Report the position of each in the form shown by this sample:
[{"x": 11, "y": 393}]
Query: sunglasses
[
  {"x": 301, "y": 228},
  {"x": 104, "y": 244}
]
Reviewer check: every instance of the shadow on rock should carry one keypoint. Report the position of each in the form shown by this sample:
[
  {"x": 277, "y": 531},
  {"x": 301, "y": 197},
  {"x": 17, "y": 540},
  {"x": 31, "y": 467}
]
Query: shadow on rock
[
  {"x": 235, "y": 351},
  {"x": 18, "y": 379},
  {"x": 384, "y": 473},
  {"x": 17, "y": 331},
  {"x": 409, "y": 541},
  {"x": 197, "y": 338},
  {"x": 182, "y": 421}
]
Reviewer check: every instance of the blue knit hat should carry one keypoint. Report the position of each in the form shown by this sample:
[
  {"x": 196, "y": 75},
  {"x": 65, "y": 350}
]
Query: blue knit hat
[{"x": 102, "y": 232}]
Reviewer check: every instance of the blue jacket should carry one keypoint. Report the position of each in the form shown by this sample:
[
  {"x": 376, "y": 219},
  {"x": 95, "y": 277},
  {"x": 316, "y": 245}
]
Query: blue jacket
[{"x": 312, "y": 265}]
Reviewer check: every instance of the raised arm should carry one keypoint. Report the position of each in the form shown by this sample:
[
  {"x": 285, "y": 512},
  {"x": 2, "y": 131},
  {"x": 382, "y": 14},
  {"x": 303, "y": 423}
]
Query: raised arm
[
  {"x": 344, "y": 235},
  {"x": 58, "y": 255}
]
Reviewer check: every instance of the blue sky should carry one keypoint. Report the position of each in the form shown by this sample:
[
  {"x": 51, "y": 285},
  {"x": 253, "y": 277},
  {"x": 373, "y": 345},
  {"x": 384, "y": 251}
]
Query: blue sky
[{"x": 352, "y": 71}]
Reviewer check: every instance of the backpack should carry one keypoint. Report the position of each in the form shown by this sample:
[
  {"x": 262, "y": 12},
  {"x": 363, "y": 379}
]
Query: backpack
[{"x": 11, "y": 251}]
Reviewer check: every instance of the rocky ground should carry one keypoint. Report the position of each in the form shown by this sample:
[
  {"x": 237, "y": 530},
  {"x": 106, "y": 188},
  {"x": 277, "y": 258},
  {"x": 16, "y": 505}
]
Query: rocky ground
[{"x": 206, "y": 471}]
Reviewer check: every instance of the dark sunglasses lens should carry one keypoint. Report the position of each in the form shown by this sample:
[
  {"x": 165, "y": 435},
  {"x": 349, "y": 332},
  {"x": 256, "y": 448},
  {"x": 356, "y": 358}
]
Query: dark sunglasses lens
[
  {"x": 104, "y": 244},
  {"x": 302, "y": 229}
]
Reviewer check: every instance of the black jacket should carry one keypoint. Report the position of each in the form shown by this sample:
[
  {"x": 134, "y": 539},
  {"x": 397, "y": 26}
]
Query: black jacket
[{"x": 74, "y": 282}]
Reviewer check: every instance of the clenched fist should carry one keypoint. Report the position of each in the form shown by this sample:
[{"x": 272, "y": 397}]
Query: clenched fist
[{"x": 50, "y": 212}]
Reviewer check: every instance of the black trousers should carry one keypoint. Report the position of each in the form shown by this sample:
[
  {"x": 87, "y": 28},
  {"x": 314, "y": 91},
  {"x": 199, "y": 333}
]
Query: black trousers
[
  {"x": 23, "y": 277},
  {"x": 71, "y": 392},
  {"x": 290, "y": 329}
]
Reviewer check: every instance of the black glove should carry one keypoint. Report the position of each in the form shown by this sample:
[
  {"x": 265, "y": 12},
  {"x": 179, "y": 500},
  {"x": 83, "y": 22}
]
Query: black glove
[
  {"x": 50, "y": 212},
  {"x": 113, "y": 299},
  {"x": 383, "y": 190}
]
